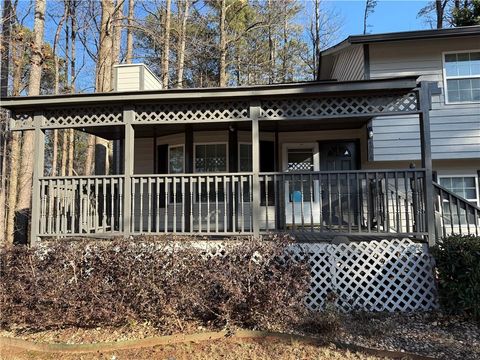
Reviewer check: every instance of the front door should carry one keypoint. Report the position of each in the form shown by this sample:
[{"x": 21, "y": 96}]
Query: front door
[
  {"x": 339, "y": 189},
  {"x": 301, "y": 186}
]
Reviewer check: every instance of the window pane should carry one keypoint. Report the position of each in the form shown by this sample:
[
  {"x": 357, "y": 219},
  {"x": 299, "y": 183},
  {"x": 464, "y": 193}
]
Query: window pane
[
  {"x": 463, "y": 64},
  {"x": 210, "y": 158},
  {"x": 452, "y": 84},
  {"x": 446, "y": 182},
  {"x": 176, "y": 160},
  {"x": 476, "y": 95},
  {"x": 466, "y": 95},
  {"x": 475, "y": 63},
  {"x": 457, "y": 182},
  {"x": 453, "y": 96},
  {"x": 469, "y": 181},
  {"x": 465, "y": 84},
  {"x": 450, "y": 58},
  {"x": 462, "y": 186},
  {"x": 451, "y": 69},
  {"x": 245, "y": 157},
  {"x": 470, "y": 194}
]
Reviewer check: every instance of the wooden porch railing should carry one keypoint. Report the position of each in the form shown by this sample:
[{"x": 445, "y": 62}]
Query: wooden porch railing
[
  {"x": 215, "y": 204},
  {"x": 345, "y": 202},
  {"x": 454, "y": 214},
  {"x": 81, "y": 205},
  {"x": 364, "y": 202}
]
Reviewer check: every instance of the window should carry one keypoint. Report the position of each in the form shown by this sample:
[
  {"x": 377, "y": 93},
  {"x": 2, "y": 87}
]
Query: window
[
  {"x": 175, "y": 166},
  {"x": 245, "y": 157},
  {"x": 462, "y": 77},
  {"x": 210, "y": 158},
  {"x": 175, "y": 159},
  {"x": 464, "y": 186}
]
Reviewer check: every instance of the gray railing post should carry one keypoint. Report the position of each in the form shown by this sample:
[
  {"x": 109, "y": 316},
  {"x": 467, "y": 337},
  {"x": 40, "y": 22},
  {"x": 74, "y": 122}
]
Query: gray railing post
[
  {"x": 426, "y": 150},
  {"x": 128, "y": 217},
  {"x": 38, "y": 168},
  {"x": 254, "y": 115}
]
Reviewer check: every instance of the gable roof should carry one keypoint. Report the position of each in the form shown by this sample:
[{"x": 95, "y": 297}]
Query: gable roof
[{"x": 404, "y": 35}]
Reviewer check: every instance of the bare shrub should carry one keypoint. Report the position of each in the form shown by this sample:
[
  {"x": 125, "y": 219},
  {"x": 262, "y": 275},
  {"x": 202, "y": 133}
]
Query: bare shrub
[{"x": 247, "y": 283}]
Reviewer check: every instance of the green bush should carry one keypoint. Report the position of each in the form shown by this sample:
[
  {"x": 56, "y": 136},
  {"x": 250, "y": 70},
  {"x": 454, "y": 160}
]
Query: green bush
[{"x": 458, "y": 266}]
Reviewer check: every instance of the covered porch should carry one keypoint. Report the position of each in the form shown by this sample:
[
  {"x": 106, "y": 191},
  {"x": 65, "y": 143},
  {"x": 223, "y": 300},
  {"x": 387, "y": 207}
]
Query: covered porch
[{"x": 244, "y": 161}]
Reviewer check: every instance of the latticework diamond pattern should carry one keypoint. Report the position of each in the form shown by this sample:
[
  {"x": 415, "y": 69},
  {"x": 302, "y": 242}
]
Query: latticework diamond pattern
[
  {"x": 387, "y": 275},
  {"x": 337, "y": 106},
  {"x": 192, "y": 112},
  {"x": 83, "y": 116},
  {"x": 23, "y": 120}
]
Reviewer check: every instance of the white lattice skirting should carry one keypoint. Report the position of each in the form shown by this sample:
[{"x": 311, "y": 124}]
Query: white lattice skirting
[{"x": 386, "y": 275}]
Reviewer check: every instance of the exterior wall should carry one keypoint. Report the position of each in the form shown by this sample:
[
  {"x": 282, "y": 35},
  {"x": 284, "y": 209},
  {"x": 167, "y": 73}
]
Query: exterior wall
[
  {"x": 455, "y": 128},
  {"x": 150, "y": 81},
  {"x": 127, "y": 78},
  {"x": 348, "y": 64},
  {"x": 144, "y": 164},
  {"x": 135, "y": 77}
]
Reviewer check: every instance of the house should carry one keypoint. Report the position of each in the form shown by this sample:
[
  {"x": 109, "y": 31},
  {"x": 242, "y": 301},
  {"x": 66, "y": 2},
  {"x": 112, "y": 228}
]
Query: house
[
  {"x": 450, "y": 60},
  {"x": 357, "y": 153}
]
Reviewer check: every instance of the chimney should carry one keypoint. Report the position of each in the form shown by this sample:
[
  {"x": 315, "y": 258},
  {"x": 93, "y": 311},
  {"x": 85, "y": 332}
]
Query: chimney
[{"x": 135, "y": 77}]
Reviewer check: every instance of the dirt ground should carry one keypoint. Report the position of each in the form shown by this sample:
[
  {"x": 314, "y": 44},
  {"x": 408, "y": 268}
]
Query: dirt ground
[
  {"x": 226, "y": 349},
  {"x": 433, "y": 335}
]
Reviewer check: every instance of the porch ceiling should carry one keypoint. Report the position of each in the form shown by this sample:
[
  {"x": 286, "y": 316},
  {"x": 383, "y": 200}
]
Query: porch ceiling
[{"x": 152, "y": 130}]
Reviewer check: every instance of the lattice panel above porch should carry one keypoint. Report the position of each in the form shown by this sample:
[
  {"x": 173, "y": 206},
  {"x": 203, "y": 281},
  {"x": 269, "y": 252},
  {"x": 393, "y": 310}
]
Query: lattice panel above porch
[
  {"x": 21, "y": 121},
  {"x": 337, "y": 106},
  {"x": 192, "y": 112},
  {"x": 83, "y": 116}
]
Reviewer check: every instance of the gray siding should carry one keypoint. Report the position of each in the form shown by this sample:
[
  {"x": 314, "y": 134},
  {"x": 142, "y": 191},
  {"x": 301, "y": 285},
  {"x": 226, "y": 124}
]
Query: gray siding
[
  {"x": 455, "y": 128},
  {"x": 348, "y": 64}
]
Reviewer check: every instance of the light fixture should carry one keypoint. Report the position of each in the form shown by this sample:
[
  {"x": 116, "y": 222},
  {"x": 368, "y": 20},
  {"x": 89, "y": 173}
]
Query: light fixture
[
  {"x": 231, "y": 128},
  {"x": 370, "y": 132}
]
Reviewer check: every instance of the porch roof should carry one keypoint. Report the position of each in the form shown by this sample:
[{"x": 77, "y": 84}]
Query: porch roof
[{"x": 328, "y": 88}]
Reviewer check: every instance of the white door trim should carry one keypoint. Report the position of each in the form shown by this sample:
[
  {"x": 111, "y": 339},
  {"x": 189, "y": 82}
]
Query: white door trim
[{"x": 311, "y": 145}]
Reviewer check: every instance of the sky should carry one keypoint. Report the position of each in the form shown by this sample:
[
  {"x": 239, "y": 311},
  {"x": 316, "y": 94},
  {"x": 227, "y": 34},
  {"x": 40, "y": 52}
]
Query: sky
[{"x": 389, "y": 16}]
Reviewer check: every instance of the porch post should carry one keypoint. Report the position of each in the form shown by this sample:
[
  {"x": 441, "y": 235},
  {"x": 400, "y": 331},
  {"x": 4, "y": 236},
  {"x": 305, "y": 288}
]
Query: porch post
[
  {"x": 188, "y": 170},
  {"x": 38, "y": 168},
  {"x": 128, "y": 217},
  {"x": 426, "y": 150},
  {"x": 254, "y": 115}
]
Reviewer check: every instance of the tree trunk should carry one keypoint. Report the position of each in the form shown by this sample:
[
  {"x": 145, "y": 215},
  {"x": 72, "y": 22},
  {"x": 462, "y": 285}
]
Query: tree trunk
[
  {"x": 166, "y": 46},
  {"x": 182, "y": 43},
  {"x": 129, "y": 55},
  {"x": 103, "y": 75},
  {"x": 316, "y": 62},
  {"x": 105, "y": 50},
  {"x": 11, "y": 201},
  {"x": 4, "y": 71},
  {"x": 63, "y": 160},
  {"x": 88, "y": 166},
  {"x": 26, "y": 165},
  {"x": 439, "y": 12},
  {"x": 12, "y": 188},
  {"x": 73, "y": 55},
  {"x": 117, "y": 37},
  {"x": 56, "y": 90},
  {"x": 222, "y": 46},
  {"x": 271, "y": 48},
  {"x": 5, "y": 48}
]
